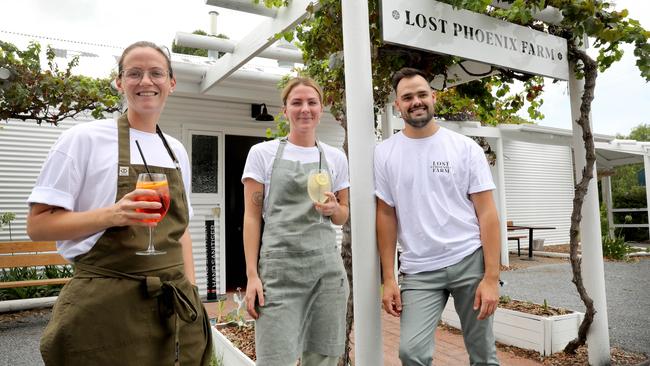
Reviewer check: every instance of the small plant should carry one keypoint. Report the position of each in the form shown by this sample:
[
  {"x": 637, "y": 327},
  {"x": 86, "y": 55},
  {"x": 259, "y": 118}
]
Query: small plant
[
  {"x": 545, "y": 305},
  {"x": 616, "y": 248},
  {"x": 6, "y": 219},
  {"x": 237, "y": 315},
  {"x": 216, "y": 360},
  {"x": 504, "y": 299},
  {"x": 221, "y": 307}
]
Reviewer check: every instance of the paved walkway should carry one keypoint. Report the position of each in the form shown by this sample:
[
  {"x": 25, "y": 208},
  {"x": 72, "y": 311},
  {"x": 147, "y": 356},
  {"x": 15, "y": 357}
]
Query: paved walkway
[{"x": 450, "y": 349}]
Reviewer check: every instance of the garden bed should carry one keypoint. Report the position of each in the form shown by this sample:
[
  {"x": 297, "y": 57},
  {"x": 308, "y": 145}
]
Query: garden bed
[{"x": 536, "y": 327}]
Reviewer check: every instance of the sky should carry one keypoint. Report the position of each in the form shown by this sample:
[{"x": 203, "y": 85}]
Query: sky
[{"x": 622, "y": 97}]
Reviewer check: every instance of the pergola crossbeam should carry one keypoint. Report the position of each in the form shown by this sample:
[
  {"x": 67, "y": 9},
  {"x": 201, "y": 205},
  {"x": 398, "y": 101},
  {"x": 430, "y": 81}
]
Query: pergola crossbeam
[
  {"x": 228, "y": 46},
  {"x": 257, "y": 40}
]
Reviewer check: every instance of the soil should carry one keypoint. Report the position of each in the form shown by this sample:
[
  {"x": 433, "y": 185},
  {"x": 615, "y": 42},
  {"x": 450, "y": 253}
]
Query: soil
[
  {"x": 531, "y": 308},
  {"x": 244, "y": 339}
]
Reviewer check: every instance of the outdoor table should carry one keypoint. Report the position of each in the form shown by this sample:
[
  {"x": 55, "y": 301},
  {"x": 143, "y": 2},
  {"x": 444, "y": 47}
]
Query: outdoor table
[{"x": 530, "y": 236}]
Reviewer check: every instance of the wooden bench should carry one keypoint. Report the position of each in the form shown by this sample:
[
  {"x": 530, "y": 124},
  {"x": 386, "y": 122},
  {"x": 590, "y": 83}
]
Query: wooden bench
[{"x": 30, "y": 254}]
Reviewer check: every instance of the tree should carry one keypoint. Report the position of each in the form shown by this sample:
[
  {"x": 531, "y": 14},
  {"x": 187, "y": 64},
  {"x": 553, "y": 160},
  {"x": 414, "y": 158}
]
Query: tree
[
  {"x": 196, "y": 51},
  {"x": 50, "y": 95},
  {"x": 320, "y": 38},
  {"x": 640, "y": 133}
]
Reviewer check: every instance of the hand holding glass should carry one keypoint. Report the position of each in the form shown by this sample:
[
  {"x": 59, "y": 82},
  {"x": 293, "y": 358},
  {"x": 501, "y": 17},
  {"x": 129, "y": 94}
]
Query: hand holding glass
[
  {"x": 158, "y": 183},
  {"x": 318, "y": 183}
]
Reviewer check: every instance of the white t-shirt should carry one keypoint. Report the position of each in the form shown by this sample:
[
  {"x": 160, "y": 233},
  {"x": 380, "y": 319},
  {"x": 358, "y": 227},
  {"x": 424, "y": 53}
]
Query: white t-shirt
[
  {"x": 429, "y": 181},
  {"x": 80, "y": 172},
  {"x": 259, "y": 163}
]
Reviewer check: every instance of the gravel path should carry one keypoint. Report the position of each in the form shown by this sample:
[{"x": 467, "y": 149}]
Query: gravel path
[
  {"x": 628, "y": 296},
  {"x": 19, "y": 339},
  {"x": 628, "y": 301}
]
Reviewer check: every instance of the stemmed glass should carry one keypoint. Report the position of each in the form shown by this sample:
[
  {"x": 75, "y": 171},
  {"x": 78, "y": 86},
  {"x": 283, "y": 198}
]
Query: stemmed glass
[
  {"x": 158, "y": 183},
  {"x": 318, "y": 182}
]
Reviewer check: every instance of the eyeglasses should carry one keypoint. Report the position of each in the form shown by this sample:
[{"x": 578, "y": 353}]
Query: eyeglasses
[{"x": 134, "y": 76}]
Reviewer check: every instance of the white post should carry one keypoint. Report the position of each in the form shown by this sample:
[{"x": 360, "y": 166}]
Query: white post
[
  {"x": 501, "y": 203},
  {"x": 646, "y": 168},
  {"x": 593, "y": 273},
  {"x": 361, "y": 144},
  {"x": 606, "y": 190}
]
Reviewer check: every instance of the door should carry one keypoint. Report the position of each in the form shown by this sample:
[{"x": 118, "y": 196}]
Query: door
[
  {"x": 237, "y": 148},
  {"x": 206, "y": 152}
]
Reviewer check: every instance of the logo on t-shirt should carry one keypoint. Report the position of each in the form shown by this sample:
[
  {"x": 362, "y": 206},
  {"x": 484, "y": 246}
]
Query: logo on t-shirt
[{"x": 440, "y": 167}]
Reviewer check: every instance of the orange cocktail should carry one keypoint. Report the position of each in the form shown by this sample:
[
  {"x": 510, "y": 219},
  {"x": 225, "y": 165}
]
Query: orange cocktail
[
  {"x": 158, "y": 183},
  {"x": 162, "y": 188}
]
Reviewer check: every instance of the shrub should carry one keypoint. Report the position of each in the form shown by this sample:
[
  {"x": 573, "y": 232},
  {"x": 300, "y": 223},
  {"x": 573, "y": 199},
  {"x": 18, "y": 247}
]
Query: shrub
[
  {"x": 32, "y": 273},
  {"x": 615, "y": 248}
]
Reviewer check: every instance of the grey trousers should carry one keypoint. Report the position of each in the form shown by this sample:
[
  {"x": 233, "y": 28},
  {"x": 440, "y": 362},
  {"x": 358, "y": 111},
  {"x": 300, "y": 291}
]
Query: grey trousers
[{"x": 424, "y": 296}]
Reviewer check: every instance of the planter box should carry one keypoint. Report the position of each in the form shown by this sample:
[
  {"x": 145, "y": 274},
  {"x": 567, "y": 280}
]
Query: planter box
[
  {"x": 543, "y": 334},
  {"x": 227, "y": 352}
]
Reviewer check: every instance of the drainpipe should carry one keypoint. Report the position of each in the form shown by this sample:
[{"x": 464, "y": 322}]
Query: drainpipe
[{"x": 212, "y": 54}]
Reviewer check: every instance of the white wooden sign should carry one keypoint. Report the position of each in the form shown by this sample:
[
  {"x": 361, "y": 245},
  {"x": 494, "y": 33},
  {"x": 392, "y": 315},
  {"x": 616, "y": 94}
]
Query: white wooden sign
[{"x": 437, "y": 27}]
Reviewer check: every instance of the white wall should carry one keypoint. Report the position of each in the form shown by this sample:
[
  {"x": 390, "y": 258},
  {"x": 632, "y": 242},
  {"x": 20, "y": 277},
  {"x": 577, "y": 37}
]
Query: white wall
[
  {"x": 25, "y": 145},
  {"x": 23, "y": 148},
  {"x": 539, "y": 189}
]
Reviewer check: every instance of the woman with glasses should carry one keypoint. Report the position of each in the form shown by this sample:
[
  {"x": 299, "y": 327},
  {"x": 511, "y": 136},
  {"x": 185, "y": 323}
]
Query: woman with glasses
[
  {"x": 122, "y": 309},
  {"x": 297, "y": 286}
]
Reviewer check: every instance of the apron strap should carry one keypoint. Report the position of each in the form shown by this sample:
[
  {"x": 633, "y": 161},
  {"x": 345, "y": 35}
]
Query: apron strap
[{"x": 278, "y": 156}]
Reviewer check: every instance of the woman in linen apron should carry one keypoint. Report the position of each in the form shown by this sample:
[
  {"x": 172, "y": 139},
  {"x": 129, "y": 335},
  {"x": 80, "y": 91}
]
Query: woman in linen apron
[
  {"x": 120, "y": 308},
  {"x": 297, "y": 287}
]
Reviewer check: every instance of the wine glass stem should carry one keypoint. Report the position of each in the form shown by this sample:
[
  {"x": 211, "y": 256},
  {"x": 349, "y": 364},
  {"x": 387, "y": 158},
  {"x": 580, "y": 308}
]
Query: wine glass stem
[{"x": 151, "y": 248}]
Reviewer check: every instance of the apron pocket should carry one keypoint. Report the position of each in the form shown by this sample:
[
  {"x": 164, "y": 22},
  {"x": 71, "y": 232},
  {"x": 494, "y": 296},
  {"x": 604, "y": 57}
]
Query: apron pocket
[{"x": 110, "y": 315}]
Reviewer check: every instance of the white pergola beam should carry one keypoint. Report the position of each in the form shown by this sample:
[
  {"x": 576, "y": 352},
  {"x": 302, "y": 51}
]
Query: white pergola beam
[
  {"x": 246, "y": 6},
  {"x": 256, "y": 41},
  {"x": 205, "y": 42},
  {"x": 228, "y": 46}
]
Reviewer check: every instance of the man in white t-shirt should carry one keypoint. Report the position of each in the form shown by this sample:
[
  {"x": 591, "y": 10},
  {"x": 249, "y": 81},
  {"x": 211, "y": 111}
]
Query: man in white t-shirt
[{"x": 434, "y": 195}]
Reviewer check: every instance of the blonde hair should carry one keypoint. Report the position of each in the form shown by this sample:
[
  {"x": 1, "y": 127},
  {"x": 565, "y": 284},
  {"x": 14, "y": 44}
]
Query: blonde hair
[{"x": 301, "y": 81}]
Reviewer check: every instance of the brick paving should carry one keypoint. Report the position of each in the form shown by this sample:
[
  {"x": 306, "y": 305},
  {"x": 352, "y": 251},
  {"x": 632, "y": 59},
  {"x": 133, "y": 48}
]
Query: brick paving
[{"x": 449, "y": 350}]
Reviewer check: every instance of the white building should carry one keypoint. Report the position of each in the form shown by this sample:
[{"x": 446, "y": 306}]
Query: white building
[{"x": 217, "y": 129}]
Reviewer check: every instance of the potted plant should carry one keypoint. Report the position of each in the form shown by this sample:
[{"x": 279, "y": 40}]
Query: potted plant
[
  {"x": 526, "y": 325},
  {"x": 6, "y": 219}
]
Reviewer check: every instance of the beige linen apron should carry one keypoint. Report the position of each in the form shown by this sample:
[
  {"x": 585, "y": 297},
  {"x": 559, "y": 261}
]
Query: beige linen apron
[
  {"x": 125, "y": 309},
  {"x": 304, "y": 281}
]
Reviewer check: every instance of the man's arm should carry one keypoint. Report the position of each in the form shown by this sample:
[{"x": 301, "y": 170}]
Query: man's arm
[
  {"x": 487, "y": 293},
  {"x": 386, "y": 220}
]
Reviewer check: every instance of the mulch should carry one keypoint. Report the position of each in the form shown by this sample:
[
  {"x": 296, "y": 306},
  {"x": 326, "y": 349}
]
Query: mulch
[{"x": 619, "y": 357}]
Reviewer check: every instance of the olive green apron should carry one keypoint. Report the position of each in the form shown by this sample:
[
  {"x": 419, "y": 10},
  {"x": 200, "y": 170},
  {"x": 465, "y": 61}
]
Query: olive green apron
[
  {"x": 124, "y": 309},
  {"x": 304, "y": 281}
]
